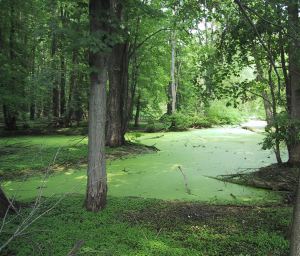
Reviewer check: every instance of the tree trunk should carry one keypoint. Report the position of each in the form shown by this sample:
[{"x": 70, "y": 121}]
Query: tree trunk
[
  {"x": 294, "y": 77},
  {"x": 5, "y": 204},
  {"x": 10, "y": 118},
  {"x": 55, "y": 88},
  {"x": 97, "y": 180},
  {"x": 72, "y": 90},
  {"x": 267, "y": 107},
  {"x": 62, "y": 84},
  {"x": 137, "y": 112},
  {"x": 117, "y": 107},
  {"x": 32, "y": 111},
  {"x": 295, "y": 234},
  {"x": 173, "y": 80},
  {"x": 114, "y": 135},
  {"x": 294, "y": 149}
]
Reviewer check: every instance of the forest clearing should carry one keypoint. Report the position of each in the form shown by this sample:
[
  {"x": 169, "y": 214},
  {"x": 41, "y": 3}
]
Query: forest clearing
[{"x": 149, "y": 127}]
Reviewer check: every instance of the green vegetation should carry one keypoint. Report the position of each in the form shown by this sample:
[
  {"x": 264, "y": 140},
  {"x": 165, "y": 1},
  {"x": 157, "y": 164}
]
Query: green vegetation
[
  {"x": 25, "y": 156},
  {"x": 135, "y": 226},
  {"x": 88, "y": 87}
]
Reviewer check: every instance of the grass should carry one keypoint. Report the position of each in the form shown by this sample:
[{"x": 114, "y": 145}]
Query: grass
[{"x": 135, "y": 226}]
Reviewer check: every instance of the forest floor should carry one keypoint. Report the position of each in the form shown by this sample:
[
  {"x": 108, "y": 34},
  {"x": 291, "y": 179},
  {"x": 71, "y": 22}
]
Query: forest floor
[{"x": 137, "y": 226}]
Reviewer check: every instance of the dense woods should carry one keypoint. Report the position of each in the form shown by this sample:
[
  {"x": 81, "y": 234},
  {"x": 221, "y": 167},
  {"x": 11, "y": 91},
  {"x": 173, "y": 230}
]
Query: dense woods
[{"x": 115, "y": 70}]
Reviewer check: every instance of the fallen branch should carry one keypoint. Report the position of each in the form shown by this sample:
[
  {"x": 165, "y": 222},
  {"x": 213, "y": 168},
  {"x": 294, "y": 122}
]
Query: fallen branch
[
  {"x": 187, "y": 189},
  {"x": 76, "y": 248}
]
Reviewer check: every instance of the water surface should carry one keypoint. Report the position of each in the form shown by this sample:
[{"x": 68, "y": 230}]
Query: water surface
[{"x": 200, "y": 154}]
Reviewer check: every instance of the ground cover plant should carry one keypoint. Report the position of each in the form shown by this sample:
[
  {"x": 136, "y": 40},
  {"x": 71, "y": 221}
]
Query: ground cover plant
[{"x": 136, "y": 226}]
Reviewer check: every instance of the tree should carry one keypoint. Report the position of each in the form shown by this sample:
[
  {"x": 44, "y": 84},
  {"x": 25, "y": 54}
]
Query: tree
[
  {"x": 118, "y": 84},
  {"x": 294, "y": 78},
  {"x": 97, "y": 180}
]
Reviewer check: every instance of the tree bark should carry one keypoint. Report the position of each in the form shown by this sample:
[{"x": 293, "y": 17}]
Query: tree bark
[
  {"x": 115, "y": 110},
  {"x": 294, "y": 78},
  {"x": 118, "y": 106},
  {"x": 97, "y": 180},
  {"x": 295, "y": 232}
]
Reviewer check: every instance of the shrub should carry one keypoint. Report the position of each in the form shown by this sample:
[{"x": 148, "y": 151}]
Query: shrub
[{"x": 218, "y": 114}]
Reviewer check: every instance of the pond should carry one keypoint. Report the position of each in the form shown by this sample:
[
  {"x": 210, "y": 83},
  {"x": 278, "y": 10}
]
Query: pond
[{"x": 181, "y": 170}]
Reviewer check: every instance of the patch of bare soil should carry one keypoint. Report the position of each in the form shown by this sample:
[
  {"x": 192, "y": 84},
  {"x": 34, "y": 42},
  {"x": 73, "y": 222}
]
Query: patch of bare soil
[{"x": 130, "y": 149}]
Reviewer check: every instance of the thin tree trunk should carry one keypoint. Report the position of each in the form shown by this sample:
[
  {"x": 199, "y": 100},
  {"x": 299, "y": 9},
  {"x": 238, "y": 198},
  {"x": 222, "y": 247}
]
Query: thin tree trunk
[
  {"x": 137, "y": 112},
  {"x": 267, "y": 107},
  {"x": 173, "y": 80},
  {"x": 97, "y": 180},
  {"x": 32, "y": 111},
  {"x": 274, "y": 112},
  {"x": 55, "y": 88},
  {"x": 62, "y": 84},
  {"x": 9, "y": 110},
  {"x": 72, "y": 89}
]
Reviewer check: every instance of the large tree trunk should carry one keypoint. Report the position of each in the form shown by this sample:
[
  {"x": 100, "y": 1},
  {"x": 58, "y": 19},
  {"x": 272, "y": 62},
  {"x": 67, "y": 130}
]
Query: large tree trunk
[
  {"x": 294, "y": 77},
  {"x": 114, "y": 134},
  {"x": 97, "y": 180},
  {"x": 294, "y": 150},
  {"x": 118, "y": 105},
  {"x": 118, "y": 100}
]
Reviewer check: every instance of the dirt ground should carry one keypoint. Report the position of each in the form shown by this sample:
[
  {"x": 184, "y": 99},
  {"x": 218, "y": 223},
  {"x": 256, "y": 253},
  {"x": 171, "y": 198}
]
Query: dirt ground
[{"x": 275, "y": 177}]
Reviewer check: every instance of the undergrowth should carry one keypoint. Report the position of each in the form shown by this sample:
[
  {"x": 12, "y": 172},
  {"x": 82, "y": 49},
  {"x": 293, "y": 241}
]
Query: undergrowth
[{"x": 135, "y": 226}]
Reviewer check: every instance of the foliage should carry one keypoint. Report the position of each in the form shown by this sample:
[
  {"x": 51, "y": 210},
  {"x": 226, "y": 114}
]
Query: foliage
[
  {"x": 218, "y": 114},
  {"x": 283, "y": 133},
  {"x": 135, "y": 226}
]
